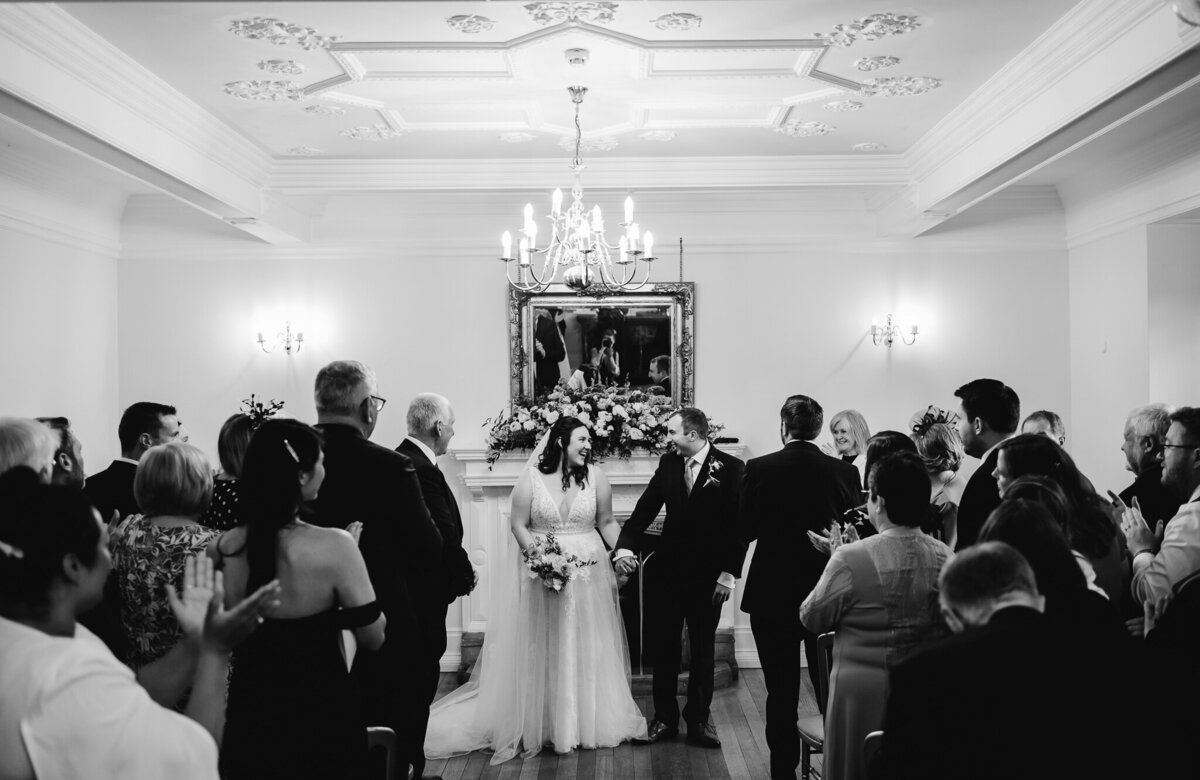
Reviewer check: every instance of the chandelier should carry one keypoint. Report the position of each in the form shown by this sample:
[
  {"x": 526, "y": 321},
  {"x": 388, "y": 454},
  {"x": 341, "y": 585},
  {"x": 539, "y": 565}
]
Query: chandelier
[{"x": 578, "y": 254}]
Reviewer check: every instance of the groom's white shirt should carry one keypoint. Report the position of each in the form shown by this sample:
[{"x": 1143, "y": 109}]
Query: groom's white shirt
[{"x": 726, "y": 578}]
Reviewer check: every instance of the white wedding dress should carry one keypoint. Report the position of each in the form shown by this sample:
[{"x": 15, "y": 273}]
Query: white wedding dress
[{"x": 554, "y": 668}]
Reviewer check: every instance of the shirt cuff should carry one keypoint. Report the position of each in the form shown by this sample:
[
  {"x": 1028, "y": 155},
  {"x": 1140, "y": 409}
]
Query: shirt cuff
[
  {"x": 726, "y": 579},
  {"x": 622, "y": 553}
]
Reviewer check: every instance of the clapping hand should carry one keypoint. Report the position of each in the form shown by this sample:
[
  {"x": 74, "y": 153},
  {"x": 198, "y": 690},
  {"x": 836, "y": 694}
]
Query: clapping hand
[
  {"x": 829, "y": 450},
  {"x": 834, "y": 537},
  {"x": 355, "y": 529},
  {"x": 1138, "y": 536},
  {"x": 201, "y": 611}
]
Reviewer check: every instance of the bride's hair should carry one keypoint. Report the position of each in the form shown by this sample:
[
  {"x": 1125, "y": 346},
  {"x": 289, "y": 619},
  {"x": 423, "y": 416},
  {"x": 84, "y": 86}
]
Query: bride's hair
[{"x": 553, "y": 456}]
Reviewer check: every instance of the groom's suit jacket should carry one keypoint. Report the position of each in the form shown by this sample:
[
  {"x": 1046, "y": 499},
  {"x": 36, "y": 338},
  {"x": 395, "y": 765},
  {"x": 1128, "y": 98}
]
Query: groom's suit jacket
[
  {"x": 457, "y": 576},
  {"x": 784, "y": 494},
  {"x": 700, "y": 537}
]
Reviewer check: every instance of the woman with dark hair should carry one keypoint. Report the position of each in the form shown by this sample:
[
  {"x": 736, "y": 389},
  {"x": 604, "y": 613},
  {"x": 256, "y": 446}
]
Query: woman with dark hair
[
  {"x": 232, "y": 442},
  {"x": 1091, "y": 531},
  {"x": 1029, "y": 525},
  {"x": 69, "y": 708},
  {"x": 291, "y": 686},
  {"x": 554, "y": 669}
]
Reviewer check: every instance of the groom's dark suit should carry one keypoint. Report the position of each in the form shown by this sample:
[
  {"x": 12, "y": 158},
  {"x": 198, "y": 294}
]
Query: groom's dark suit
[
  {"x": 455, "y": 576},
  {"x": 402, "y": 549},
  {"x": 784, "y": 495},
  {"x": 700, "y": 540}
]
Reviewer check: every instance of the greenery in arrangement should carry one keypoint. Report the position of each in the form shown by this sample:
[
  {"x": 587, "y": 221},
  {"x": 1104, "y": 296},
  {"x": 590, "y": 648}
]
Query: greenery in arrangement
[
  {"x": 260, "y": 412},
  {"x": 620, "y": 418}
]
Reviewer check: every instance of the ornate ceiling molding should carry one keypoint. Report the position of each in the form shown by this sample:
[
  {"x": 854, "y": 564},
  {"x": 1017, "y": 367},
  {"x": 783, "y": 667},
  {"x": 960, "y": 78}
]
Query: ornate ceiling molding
[
  {"x": 470, "y": 23},
  {"x": 868, "y": 64},
  {"x": 325, "y": 110},
  {"x": 805, "y": 129},
  {"x": 843, "y": 105},
  {"x": 572, "y": 12},
  {"x": 284, "y": 67},
  {"x": 678, "y": 22},
  {"x": 377, "y": 132},
  {"x": 870, "y": 28},
  {"x": 900, "y": 86},
  {"x": 264, "y": 90},
  {"x": 280, "y": 33},
  {"x": 869, "y": 146}
]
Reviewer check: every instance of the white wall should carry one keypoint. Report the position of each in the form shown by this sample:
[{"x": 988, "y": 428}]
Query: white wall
[{"x": 1174, "y": 315}]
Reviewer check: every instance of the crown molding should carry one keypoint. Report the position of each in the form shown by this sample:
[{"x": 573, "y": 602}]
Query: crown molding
[
  {"x": 299, "y": 176},
  {"x": 66, "y": 234},
  {"x": 1056, "y": 80}
]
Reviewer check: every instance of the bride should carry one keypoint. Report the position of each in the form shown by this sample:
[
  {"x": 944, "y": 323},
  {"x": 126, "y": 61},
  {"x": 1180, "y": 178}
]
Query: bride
[{"x": 554, "y": 669}]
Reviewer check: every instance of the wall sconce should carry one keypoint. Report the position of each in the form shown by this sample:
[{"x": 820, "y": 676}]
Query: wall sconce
[
  {"x": 289, "y": 342},
  {"x": 888, "y": 333}
]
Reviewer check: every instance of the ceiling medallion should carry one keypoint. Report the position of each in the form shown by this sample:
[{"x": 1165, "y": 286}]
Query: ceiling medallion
[
  {"x": 572, "y": 13},
  {"x": 869, "y": 147},
  {"x": 600, "y": 143},
  {"x": 843, "y": 105},
  {"x": 285, "y": 67},
  {"x": 470, "y": 23},
  {"x": 659, "y": 135},
  {"x": 805, "y": 129},
  {"x": 899, "y": 86},
  {"x": 517, "y": 138},
  {"x": 677, "y": 21},
  {"x": 379, "y": 132},
  {"x": 870, "y": 28},
  {"x": 325, "y": 110},
  {"x": 303, "y": 151},
  {"x": 876, "y": 63},
  {"x": 281, "y": 33},
  {"x": 264, "y": 90}
]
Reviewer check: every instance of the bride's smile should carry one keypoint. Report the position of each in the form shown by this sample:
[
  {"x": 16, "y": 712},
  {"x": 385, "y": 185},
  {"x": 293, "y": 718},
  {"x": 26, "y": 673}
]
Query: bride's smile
[{"x": 580, "y": 448}]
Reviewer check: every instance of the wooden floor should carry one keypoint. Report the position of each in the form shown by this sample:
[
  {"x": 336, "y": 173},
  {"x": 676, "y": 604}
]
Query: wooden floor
[{"x": 738, "y": 713}]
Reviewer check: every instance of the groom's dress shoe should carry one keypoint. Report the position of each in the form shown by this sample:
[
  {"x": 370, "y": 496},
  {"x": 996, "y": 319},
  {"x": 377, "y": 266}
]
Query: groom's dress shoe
[
  {"x": 656, "y": 731},
  {"x": 703, "y": 734}
]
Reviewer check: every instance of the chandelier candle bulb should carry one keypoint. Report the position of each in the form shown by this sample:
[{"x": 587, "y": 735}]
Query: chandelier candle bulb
[
  {"x": 556, "y": 203},
  {"x": 524, "y": 251},
  {"x": 628, "y": 209},
  {"x": 648, "y": 245},
  {"x": 506, "y": 243}
]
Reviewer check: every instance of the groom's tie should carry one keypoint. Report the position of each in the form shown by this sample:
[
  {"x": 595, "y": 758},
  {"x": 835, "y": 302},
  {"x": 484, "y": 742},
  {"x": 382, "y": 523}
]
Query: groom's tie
[{"x": 689, "y": 474}]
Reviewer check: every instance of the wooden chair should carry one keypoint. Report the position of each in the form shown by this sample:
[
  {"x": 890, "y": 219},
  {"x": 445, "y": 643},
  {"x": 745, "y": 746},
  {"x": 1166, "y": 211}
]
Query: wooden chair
[
  {"x": 871, "y": 744},
  {"x": 812, "y": 728},
  {"x": 384, "y": 737}
]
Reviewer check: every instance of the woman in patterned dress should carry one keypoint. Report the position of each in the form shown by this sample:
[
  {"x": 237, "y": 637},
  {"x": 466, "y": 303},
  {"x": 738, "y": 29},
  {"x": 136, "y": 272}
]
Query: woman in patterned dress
[{"x": 173, "y": 486}]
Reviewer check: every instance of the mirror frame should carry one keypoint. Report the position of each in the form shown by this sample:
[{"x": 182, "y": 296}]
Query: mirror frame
[{"x": 680, "y": 297}]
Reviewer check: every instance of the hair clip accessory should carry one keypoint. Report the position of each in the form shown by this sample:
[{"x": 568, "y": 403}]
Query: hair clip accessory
[
  {"x": 291, "y": 451},
  {"x": 10, "y": 551},
  {"x": 931, "y": 417}
]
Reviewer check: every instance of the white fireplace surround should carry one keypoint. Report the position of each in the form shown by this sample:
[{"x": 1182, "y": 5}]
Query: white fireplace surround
[{"x": 484, "y": 503}]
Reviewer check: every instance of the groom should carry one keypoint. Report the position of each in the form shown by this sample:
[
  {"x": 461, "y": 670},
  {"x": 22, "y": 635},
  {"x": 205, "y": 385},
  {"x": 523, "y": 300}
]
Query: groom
[{"x": 701, "y": 552}]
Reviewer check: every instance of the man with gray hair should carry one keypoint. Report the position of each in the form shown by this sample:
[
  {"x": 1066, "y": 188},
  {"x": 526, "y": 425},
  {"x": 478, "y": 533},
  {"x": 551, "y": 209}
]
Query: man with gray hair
[
  {"x": 954, "y": 706},
  {"x": 430, "y": 428},
  {"x": 400, "y": 545},
  {"x": 29, "y": 443},
  {"x": 1145, "y": 430}
]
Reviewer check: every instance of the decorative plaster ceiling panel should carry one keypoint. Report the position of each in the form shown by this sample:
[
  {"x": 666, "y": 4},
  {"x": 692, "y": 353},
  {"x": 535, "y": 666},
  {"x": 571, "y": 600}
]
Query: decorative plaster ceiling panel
[{"x": 723, "y": 85}]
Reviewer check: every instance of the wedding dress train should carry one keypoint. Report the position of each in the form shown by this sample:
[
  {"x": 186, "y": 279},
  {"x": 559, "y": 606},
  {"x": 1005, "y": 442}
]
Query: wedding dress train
[{"x": 554, "y": 668}]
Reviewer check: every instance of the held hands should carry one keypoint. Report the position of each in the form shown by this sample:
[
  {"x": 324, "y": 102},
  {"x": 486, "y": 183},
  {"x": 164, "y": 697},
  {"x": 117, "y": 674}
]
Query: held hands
[
  {"x": 201, "y": 611},
  {"x": 1138, "y": 535},
  {"x": 626, "y": 566}
]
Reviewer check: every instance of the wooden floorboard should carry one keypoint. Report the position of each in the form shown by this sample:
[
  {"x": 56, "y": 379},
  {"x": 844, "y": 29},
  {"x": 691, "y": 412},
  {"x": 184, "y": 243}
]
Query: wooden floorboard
[{"x": 738, "y": 713}]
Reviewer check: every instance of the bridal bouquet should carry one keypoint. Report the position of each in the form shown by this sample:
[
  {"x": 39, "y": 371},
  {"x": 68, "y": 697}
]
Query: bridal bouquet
[{"x": 547, "y": 561}]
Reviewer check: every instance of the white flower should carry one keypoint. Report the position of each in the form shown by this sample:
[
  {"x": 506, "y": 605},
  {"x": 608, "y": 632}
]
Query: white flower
[
  {"x": 551, "y": 416},
  {"x": 619, "y": 411},
  {"x": 514, "y": 426},
  {"x": 530, "y": 425},
  {"x": 554, "y": 396},
  {"x": 637, "y": 407},
  {"x": 523, "y": 415},
  {"x": 636, "y": 434},
  {"x": 585, "y": 418}
]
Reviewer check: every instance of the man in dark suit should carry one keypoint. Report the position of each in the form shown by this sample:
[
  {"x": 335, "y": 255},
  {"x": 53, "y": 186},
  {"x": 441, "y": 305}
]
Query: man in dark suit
[
  {"x": 548, "y": 350},
  {"x": 1145, "y": 430},
  {"x": 400, "y": 544},
  {"x": 142, "y": 426},
  {"x": 701, "y": 551},
  {"x": 988, "y": 414},
  {"x": 784, "y": 495},
  {"x": 1010, "y": 694},
  {"x": 430, "y": 428},
  {"x": 660, "y": 373}
]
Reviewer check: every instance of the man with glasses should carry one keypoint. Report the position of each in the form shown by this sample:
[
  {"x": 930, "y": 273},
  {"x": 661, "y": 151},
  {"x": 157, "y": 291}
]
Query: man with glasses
[
  {"x": 401, "y": 546},
  {"x": 1162, "y": 558}
]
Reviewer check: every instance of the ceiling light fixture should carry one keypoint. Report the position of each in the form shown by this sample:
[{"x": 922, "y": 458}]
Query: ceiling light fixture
[{"x": 578, "y": 253}]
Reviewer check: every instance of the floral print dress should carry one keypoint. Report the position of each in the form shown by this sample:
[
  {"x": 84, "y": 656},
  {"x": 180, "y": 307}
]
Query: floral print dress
[{"x": 146, "y": 559}]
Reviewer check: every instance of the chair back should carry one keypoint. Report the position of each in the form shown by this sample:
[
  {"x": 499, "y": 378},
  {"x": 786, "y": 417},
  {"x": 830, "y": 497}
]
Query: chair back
[
  {"x": 871, "y": 744},
  {"x": 384, "y": 737},
  {"x": 824, "y": 669}
]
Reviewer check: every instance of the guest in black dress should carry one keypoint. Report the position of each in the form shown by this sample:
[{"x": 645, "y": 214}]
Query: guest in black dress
[
  {"x": 231, "y": 450},
  {"x": 293, "y": 708}
]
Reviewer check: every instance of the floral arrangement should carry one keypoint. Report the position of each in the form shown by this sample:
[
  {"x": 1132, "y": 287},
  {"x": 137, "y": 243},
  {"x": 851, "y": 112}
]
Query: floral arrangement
[
  {"x": 620, "y": 419},
  {"x": 546, "y": 560},
  {"x": 258, "y": 412}
]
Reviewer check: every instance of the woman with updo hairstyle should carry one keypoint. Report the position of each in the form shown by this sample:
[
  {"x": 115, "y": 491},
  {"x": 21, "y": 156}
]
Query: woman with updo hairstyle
[
  {"x": 69, "y": 708},
  {"x": 941, "y": 450},
  {"x": 232, "y": 443},
  {"x": 1091, "y": 532},
  {"x": 291, "y": 684},
  {"x": 173, "y": 486},
  {"x": 555, "y": 668}
]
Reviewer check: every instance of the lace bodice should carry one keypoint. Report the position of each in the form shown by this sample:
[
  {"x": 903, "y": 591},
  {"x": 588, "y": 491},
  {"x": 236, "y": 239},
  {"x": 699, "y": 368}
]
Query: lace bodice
[{"x": 544, "y": 516}]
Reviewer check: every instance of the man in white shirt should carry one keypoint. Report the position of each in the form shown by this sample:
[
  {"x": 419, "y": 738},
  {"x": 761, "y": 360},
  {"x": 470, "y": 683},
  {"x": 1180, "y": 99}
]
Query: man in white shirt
[{"x": 1162, "y": 558}]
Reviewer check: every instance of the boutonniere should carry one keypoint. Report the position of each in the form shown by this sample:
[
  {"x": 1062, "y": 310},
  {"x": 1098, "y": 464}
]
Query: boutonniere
[{"x": 714, "y": 466}]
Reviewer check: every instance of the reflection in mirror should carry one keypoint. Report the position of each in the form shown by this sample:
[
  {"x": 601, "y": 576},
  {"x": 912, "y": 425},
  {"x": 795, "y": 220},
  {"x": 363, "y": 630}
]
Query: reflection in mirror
[{"x": 638, "y": 339}]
